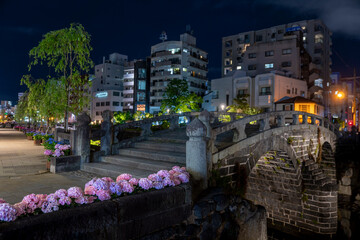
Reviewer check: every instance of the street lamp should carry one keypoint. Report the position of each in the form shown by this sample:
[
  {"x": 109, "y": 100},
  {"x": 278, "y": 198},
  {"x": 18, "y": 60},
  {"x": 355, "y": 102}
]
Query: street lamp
[{"x": 222, "y": 106}]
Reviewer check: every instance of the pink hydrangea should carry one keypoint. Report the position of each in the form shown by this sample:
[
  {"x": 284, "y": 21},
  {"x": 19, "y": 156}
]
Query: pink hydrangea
[
  {"x": 47, "y": 152},
  {"x": 81, "y": 200},
  {"x": 176, "y": 181},
  {"x": 124, "y": 176},
  {"x": 103, "y": 195},
  {"x": 176, "y": 168},
  {"x": 75, "y": 192},
  {"x": 91, "y": 182},
  {"x": 20, "y": 208},
  {"x": 155, "y": 178},
  {"x": 52, "y": 198},
  {"x": 57, "y": 153},
  {"x": 2, "y": 200},
  {"x": 163, "y": 173},
  {"x": 64, "y": 200},
  {"x": 33, "y": 201},
  {"x": 134, "y": 181},
  {"x": 7, "y": 212},
  {"x": 158, "y": 185},
  {"x": 126, "y": 187},
  {"x": 90, "y": 199},
  {"x": 168, "y": 182},
  {"x": 61, "y": 193},
  {"x": 145, "y": 183},
  {"x": 107, "y": 179},
  {"x": 90, "y": 190}
]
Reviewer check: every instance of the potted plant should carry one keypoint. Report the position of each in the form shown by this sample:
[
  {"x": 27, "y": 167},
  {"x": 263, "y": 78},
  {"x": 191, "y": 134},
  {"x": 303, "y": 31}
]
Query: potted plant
[
  {"x": 45, "y": 137},
  {"x": 37, "y": 139},
  {"x": 55, "y": 151},
  {"x": 29, "y": 135}
]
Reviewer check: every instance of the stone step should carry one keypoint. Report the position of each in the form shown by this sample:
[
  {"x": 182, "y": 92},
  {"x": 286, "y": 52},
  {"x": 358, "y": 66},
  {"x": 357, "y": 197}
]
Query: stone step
[
  {"x": 138, "y": 163},
  {"x": 113, "y": 170},
  {"x": 172, "y": 147},
  {"x": 164, "y": 156},
  {"x": 167, "y": 140},
  {"x": 317, "y": 172},
  {"x": 319, "y": 177}
]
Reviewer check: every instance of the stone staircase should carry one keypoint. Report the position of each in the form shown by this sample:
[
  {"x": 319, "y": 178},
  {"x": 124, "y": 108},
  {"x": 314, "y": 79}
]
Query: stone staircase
[{"x": 160, "y": 151}]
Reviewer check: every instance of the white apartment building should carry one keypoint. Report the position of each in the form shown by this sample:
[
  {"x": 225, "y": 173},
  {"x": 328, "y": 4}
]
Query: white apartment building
[
  {"x": 263, "y": 90},
  {"x": 107, "y": 86},
  {"x": 177, "y": 60},
  {"x": 128, "y": 87},
  {"x": 105, "y": 100}
]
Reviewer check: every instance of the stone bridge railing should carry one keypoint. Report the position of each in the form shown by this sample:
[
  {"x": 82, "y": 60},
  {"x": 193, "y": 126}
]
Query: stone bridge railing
[{"x": 205, "y": 132}]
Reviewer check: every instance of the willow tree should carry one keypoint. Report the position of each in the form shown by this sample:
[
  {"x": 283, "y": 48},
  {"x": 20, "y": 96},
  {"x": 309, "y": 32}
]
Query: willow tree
[
  {"x": 67, "y": 52},
  {"x": 34, "y": 96},
  {"x": 241, "y": 105},
  {"x": 21, "y": 108}
]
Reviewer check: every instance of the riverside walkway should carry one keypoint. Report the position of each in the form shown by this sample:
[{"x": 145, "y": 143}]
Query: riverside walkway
[{"x": 23, "y": 169}]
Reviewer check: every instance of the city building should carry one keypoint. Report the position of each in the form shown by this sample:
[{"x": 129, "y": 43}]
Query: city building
[
  {"x": 177, "y": 60},
  {"x": 107, "y": 86},
  {"x": 142, "y": 85},
  {"x": 299, "y": 104},
  {"x": 263, "y": 90},
  {"x": 283, "y": 48},
  {"x": 128, "y": 84}
]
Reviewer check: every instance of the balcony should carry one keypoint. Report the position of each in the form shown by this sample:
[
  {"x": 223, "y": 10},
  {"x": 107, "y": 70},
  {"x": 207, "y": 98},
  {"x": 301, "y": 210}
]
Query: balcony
[
  {"x": 198, "y": 56},
  {"x": 196, "y": 65},
  {"x": 129, "y": 83},
  {"x": 129, "y": 91},
  {"x": 164, "y": 53}
]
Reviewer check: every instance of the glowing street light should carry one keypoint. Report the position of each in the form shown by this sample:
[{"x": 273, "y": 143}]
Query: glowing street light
[
  {"x": 222, "y": 107},
  {"x": 340, "y": 95}
]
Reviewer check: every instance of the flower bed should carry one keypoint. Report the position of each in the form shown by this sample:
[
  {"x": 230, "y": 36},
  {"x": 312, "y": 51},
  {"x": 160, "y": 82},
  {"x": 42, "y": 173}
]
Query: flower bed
[
  {"x": 56, "y": 149},
  {"x": 96, "y": 190}
]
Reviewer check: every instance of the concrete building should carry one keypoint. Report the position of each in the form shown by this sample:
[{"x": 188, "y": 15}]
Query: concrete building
[
  {"x": 128, "y": 87},
  {"x": 177, "y": 60},
  {"x": 281, "y": 48},
  {"x": 142, "y": 85},
  {"x": 263, "y": 90},
  {"x": 107, "y": 86}
]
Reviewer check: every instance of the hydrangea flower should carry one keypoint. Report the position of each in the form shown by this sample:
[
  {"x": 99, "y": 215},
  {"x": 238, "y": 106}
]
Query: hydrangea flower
[
  {"x": 103, "y": 195},
  {"x": 184, "y": 178},
  {"x": 2, "y": 200},
  {"x": 90, "y": 190},
  {"x": 163, "y": 173},
  {"x": 7, "y": 212},
  {"x": 115, "y": 188},
  {"x": 91, "y": 182},
  {"x": 64, "y": 200},
  {"x": 145, "y": 183},
  {"x": 75, "y": 192},
  {"x": 107, "y": 179},
  {"x": 126, "y": 187},
  {"x": 101, "y": 184},
  {"x": 124, "y": 176},
  {"x": 134, "y": 181},
  {"x": 50, "y": 207},
  {"x": 158, "y": 185},
  {"x": 168, "y": 182},
  {"x": 155, "y": 178},
  {"x": 20, "y": 208},
  {"x": 47, "y": 152},
  {"x": 61, "y": 193}
]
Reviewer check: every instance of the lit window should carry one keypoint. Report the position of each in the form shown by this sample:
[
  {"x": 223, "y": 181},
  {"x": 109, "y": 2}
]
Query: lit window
[
  {"x": 185, "y": 50},
  {"x": 269, "y": 65},
  {"x": 184, "y": 69},
  {"x": 228, "y": 62},
  {"x": 319, "y": 38},
  {"x": 238, "y": 67},
  {"x": 304, "y": 39}
]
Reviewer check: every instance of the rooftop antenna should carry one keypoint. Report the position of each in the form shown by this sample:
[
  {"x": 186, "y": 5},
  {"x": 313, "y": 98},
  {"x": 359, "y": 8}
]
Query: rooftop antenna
[
  {"x": 163, "y": 36},
  {"x": 189, "y": 30}
]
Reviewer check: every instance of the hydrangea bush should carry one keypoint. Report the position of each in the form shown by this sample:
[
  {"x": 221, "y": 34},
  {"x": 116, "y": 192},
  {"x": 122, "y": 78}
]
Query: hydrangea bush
[
  {"x": 98, "y": 189},
  {"x": 56, "y": 149}
]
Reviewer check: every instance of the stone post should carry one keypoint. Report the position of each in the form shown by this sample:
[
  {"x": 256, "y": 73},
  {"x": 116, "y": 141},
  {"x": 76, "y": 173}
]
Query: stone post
[
  {"x": 204, "y": 117},
  {"x": 174, "y": 122},
  {"x": 280, "y": 120},
  {"x": 146, "y": 127},
  {"x": 295, "y": 119},
  {"x": 196, "y": 162},
  {"x": 264, "y": 124},
  {"x": 305, "y": 118},
  {"x": 232, "y": 117},
  {"x": 312, "y": 120},
  {"x": 82, "y": 138},
  {"x": 106, "y": 134}
]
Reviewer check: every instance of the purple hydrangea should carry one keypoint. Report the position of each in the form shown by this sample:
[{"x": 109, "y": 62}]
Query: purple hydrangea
[
  {"x": 163, "y": 173},
  {"x": 126, "y": 187},
  {"x": 134, "y": 181},
  {"x": 20, "y": 208},
  {"x": 184, "y": 178},
  {"x": 64, "y": 200},
  {"x": 115, "y": 188},
  {"x": 168, "y": 182},
  {"x": 145, "y": 183},
  {"x": 91, "y": 182},
  {"x": 155, "y": 178},
  {"x": 7, "y": 212},
  {"x": 158, "y": 185},
  {"x": 50, "y": 207},
  {"x": 75, "y": 192},
  {"x": 101, "y": 184},
  {"x": 61, "y": 193},
  {"x": 103, "y": 195}
]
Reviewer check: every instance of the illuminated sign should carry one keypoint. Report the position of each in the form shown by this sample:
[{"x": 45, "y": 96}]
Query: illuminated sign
[
  {"x": 292, "y": 29},
  {"x": 140, "y": 107},
  {"x": 101, "y": 95}
]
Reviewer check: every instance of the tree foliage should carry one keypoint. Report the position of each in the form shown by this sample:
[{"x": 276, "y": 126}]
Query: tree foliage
[
  {"x": 177, "y": 98},
  {"x": 67, "y": 52},
  {"x": 241, "y": 105}
]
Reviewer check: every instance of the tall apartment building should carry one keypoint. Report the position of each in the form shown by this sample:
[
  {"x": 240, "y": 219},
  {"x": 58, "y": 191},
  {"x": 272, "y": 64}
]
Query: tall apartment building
[
  {"x": 282, "y": 48},
  {"x": 128, "y": 90},
  {"x": 107, "y": 86},
  {"x": 177, "y": 60}
]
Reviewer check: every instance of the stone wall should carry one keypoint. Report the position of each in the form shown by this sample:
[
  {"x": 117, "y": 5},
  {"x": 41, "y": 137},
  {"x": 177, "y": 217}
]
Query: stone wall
[
  {"x": 123, "y": 218},
  {"x": 299, "y": 194},
  {"x": 219, "y": 216}
]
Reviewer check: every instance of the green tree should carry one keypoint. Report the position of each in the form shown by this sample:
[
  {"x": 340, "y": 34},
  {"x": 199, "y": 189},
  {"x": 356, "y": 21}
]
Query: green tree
[
  {"x": 241, "y": 105},
  {"x": 67, "y": 52},
  {"x": 34, "y": 97},
  {"x": 21, "y": 108},
  {"x": 177, "y": 98},
  {"x": 122, "y": 117}
]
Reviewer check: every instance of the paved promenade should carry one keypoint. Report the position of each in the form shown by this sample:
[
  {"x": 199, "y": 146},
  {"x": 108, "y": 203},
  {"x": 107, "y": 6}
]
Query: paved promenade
[{"x": 23, "y": 169}]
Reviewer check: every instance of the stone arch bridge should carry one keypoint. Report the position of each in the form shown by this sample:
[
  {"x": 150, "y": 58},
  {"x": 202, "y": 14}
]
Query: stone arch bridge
[{"x": 281, "y": 160}]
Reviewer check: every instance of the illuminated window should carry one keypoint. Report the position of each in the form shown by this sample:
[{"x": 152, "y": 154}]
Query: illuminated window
[
  {"x": 141, "y": 85},
  {"x": 184, "y": 69},
  {"x": 319, "y": 38},
  {"x": 142, "y": 73},
  {"x": 228, "y": 61},
  {"x": 238, "y": 67},
  {"x": 269, "y": 65}
]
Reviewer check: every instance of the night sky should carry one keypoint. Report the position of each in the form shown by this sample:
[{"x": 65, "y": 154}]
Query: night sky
[{"x": 132, "y": 27}]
